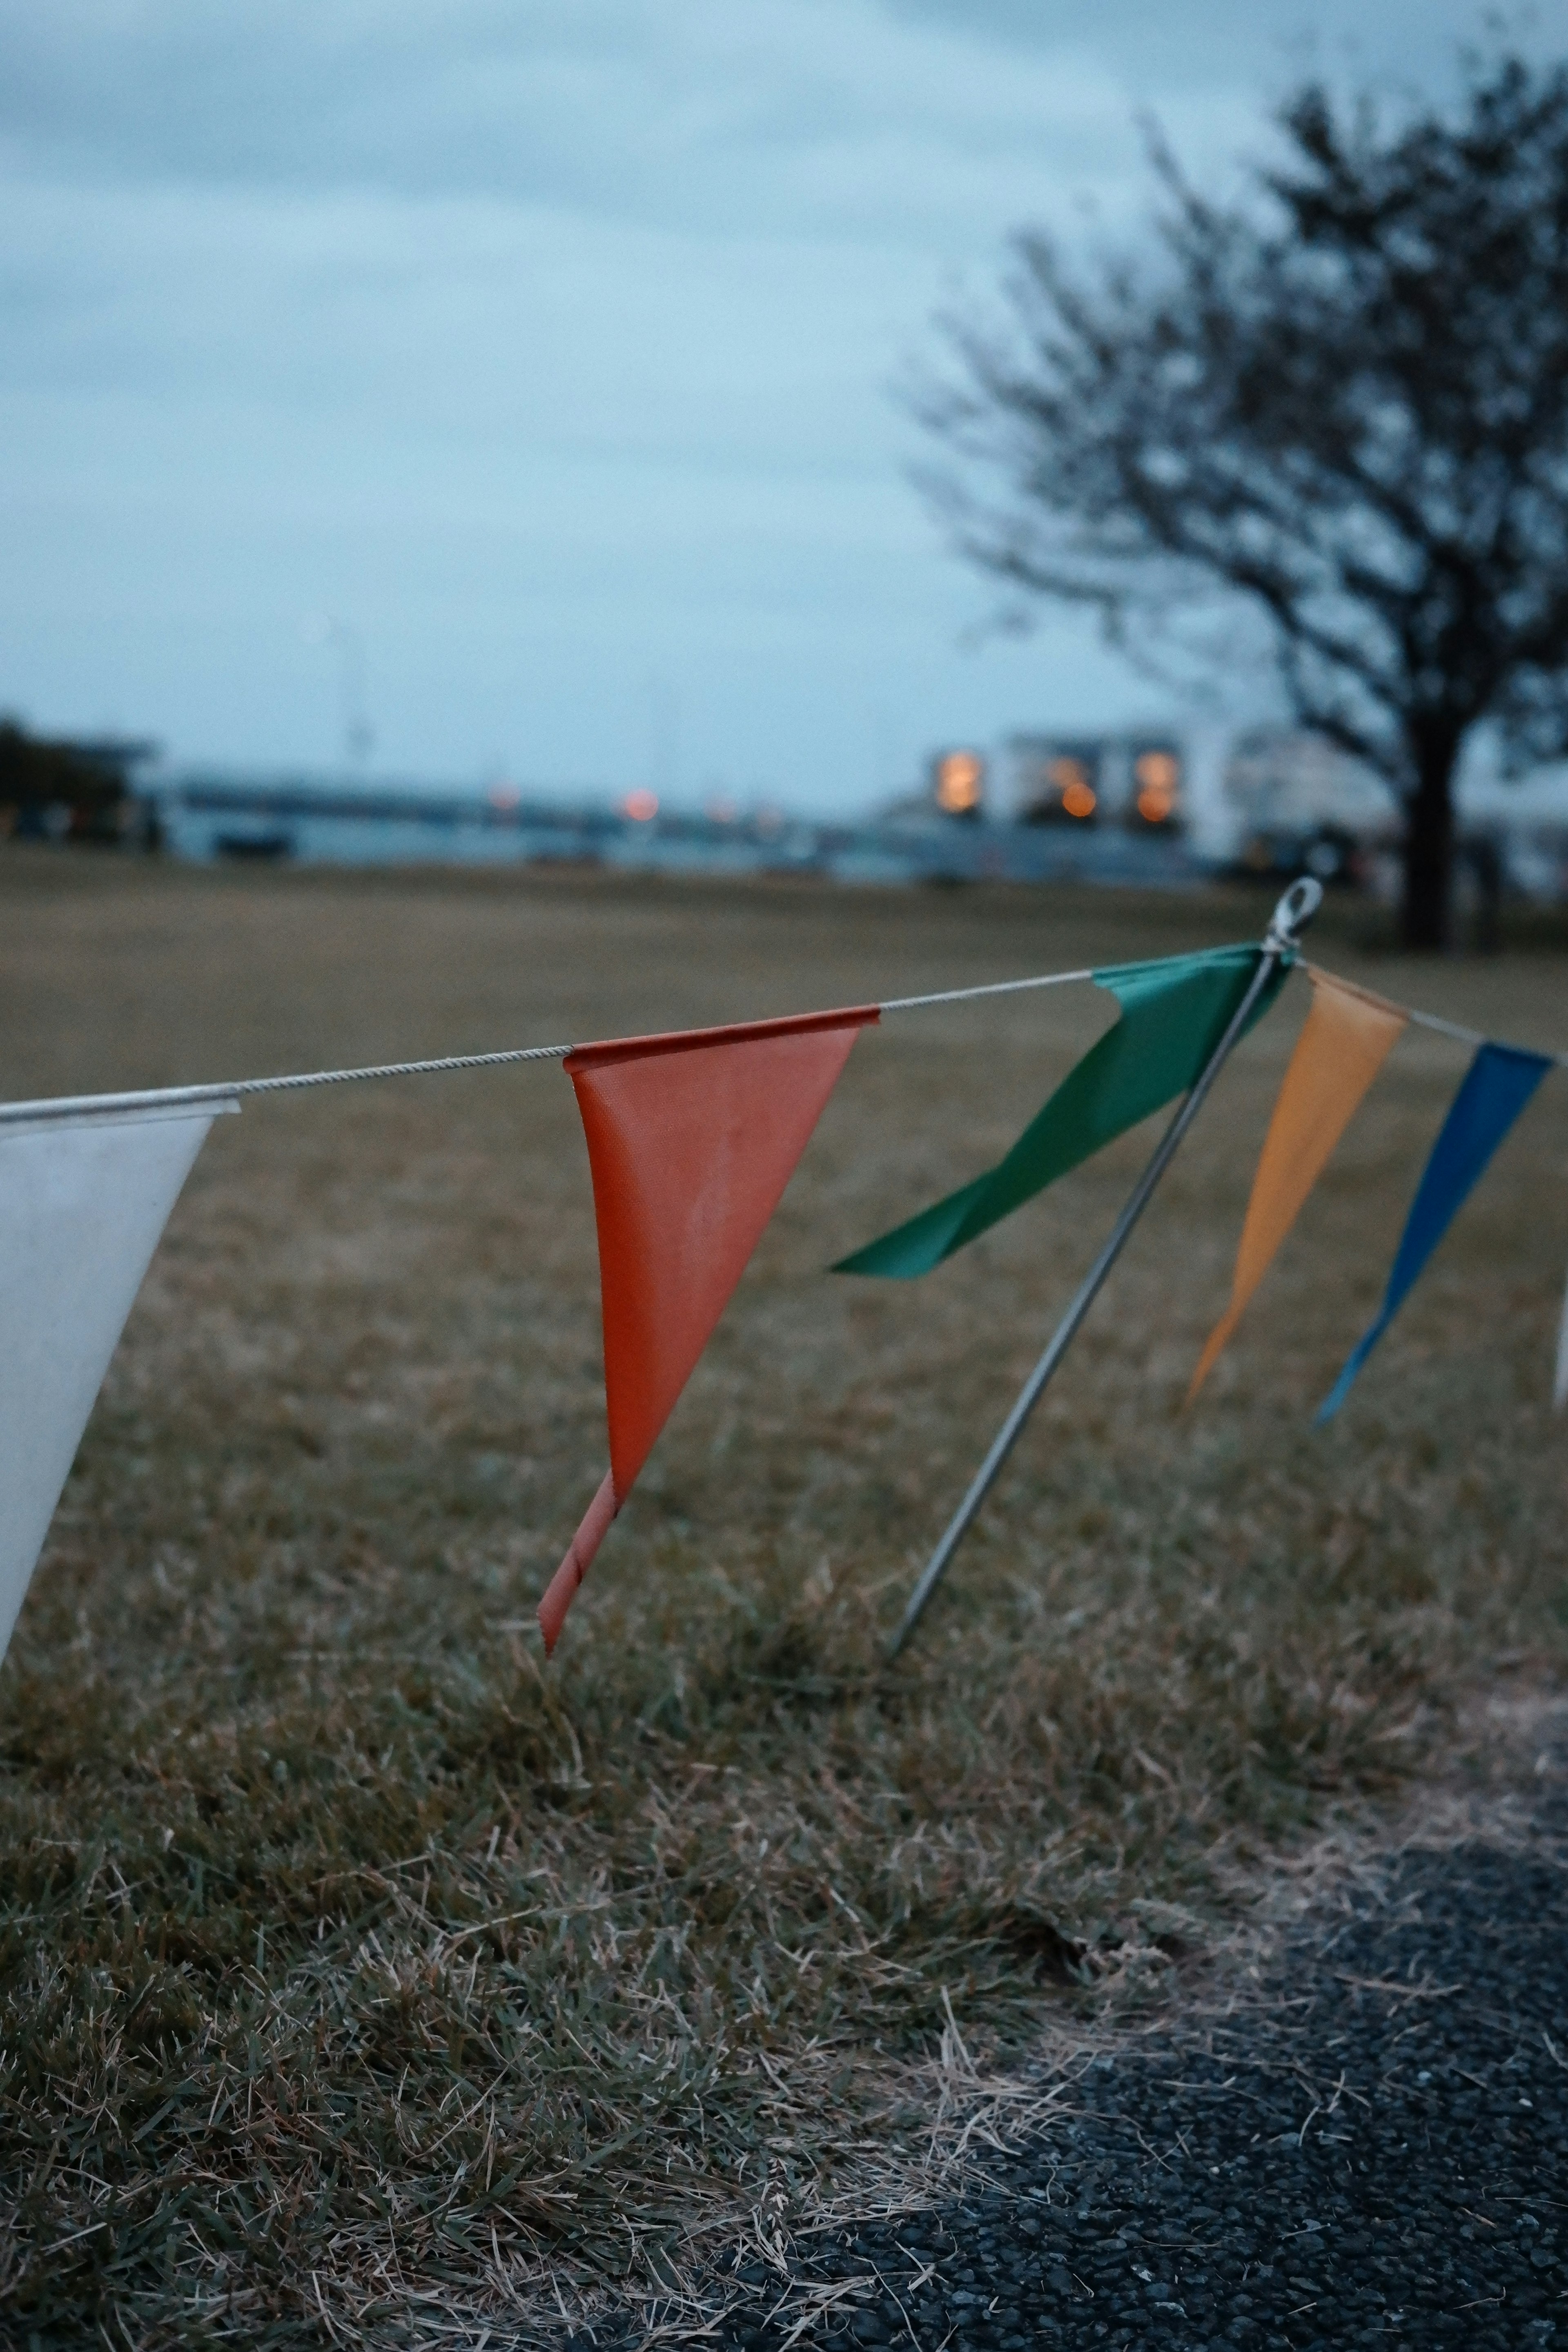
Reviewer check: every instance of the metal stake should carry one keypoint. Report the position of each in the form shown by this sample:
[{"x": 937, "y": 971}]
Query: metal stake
[{"x": 1295, "y": 910}]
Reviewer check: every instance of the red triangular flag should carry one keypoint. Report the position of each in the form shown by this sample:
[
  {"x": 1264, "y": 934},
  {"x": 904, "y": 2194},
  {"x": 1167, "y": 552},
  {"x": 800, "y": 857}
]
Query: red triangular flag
[{"x": 691, "y": 1139}]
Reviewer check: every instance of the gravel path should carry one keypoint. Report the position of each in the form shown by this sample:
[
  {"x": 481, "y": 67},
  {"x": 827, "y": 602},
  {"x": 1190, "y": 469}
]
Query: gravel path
[{"x": 1378, "y": 2153}]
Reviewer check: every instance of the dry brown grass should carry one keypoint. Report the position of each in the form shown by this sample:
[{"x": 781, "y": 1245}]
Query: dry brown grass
[{"x": 362, "y": 1981}]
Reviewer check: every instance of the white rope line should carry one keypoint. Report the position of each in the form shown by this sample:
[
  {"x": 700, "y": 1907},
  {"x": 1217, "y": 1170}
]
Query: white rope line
[
  {"x": 1478, "y": 1036},
  {"x": 402, "y": 1069},
  {"x": 1446, "y": 1028},
  {"x": 177, "y": 1097},
  {"x": 992, "y": 987}
]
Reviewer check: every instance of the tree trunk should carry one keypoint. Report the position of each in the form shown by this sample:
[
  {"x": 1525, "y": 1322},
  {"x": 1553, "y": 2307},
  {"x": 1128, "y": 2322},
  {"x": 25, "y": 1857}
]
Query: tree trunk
[{"x": 1426, "y": 917}]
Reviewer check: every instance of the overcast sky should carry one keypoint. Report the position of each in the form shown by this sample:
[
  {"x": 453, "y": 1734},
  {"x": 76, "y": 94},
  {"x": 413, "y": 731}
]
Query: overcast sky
[{"x": 549, "y": 346}]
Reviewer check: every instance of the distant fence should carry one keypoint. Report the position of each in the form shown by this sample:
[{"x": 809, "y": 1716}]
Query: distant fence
[{"x": 205, "y": 819}]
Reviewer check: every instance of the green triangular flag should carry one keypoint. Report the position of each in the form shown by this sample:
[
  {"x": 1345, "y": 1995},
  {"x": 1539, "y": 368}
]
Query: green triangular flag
[{"x": 1174, "y": 1013}]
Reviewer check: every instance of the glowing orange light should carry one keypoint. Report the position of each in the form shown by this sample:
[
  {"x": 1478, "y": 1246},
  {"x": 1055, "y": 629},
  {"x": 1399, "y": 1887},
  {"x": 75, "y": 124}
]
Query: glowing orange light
[
  {"x": 1070, "y": 777},
  {"x": 642, "y": 805},
  {"x": 1157, "y": 775},
  {"x": 957, "y": 783}
]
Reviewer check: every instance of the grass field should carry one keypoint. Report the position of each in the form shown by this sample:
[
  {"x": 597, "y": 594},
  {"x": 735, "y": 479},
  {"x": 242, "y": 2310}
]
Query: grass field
[{"x": 362, "y": 1980}]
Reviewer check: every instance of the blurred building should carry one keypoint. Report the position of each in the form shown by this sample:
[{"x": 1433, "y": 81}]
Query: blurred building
[
  {"x": 957, "y": 782},
  {"x": 1135, "y": 780},
  {"x": 60, "y": 789},
  {"x": 1299, "y": 803},
  {"x": 1263, "y": 800}
]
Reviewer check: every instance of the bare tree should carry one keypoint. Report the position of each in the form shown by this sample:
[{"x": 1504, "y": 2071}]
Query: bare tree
[{"x": 1341, "y": 400}]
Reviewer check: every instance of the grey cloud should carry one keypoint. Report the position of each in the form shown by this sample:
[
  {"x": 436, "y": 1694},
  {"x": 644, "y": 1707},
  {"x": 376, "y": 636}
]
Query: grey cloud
[
  {"x": 548, "y": 340},
  {"x": 881, "y": 119},
  {"x": 1161, "y": 45},
  {"x": 695, "y": 113},
  {"x": 407, "y": 95}
]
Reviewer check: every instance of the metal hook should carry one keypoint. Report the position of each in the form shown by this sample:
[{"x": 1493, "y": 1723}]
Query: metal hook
[{"x": 1294, "y": 912}]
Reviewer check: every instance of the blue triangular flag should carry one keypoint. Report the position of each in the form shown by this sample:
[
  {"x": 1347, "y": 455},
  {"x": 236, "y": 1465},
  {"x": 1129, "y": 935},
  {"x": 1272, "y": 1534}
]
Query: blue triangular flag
[{"x": 1497, "y": 1085}]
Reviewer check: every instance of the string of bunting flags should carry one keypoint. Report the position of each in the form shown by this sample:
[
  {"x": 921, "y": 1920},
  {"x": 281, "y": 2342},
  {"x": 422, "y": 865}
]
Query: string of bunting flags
[{"x": 692, "y": 1136}]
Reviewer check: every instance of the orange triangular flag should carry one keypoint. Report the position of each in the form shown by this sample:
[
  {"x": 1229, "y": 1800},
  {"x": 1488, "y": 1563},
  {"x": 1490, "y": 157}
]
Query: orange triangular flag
[
  {"x": 1347, "y": 1037},
  {"x": 691, "y": 1139}
]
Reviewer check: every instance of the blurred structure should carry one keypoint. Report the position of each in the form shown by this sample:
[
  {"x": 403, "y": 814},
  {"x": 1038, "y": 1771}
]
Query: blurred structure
[
  {"x": 63, "y": 790},
  {"x": 1515, "y": 829},
  {"x": 1268, "y": 800},
  {"x": 1133, "y": 780},
  {"x": 206, "y": 813},
  {"x": 1299, "y": 804},
  {"x": 957, "y": 783},
  {"x": 1161, "y": 806}
]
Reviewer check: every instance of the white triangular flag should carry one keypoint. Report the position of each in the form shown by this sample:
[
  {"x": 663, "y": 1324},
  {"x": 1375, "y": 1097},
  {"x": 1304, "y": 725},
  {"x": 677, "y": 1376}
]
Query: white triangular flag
[
  {"x": 83, "y": 1201},
  {"x": 1560, "y": 1385}
]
